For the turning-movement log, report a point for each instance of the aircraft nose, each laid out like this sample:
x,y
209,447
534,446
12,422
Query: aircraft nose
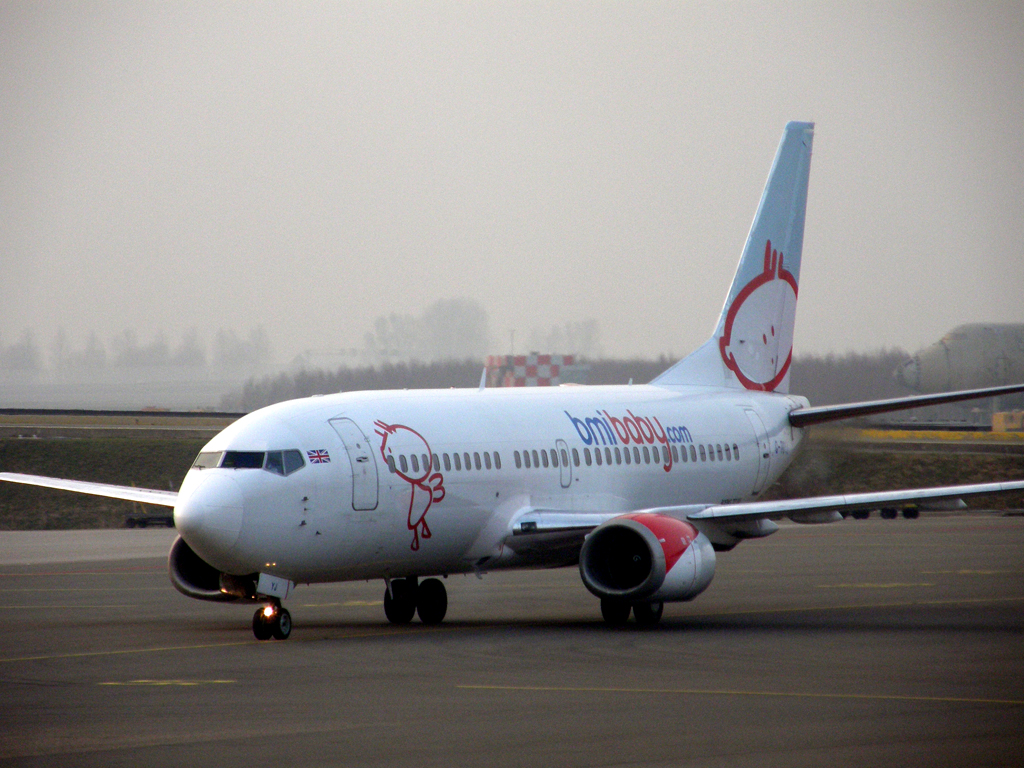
x,y
209,515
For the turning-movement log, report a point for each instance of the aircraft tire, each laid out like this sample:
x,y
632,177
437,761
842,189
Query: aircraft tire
x,y
431,601
400,602
261,628
648,614
615,612
281,626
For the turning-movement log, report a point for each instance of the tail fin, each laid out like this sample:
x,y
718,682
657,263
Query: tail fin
x,y
752,345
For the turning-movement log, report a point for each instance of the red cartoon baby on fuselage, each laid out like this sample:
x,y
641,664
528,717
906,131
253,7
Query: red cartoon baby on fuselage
x,y
757,342
425,485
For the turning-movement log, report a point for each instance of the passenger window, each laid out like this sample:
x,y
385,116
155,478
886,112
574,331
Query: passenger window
x,y
693,453
586,456
437,464
497,460
575,457
565,458
526,459
703,457
711,453
447,462
544,458
426,463
554,458
476,460
618,456
415,463
655,455
597,456
293,461
536,460
519,462
735,452
636,455
487,459
458,462
664,454
718,450
627,456
465,458
675,454
391,464
728,453
403,464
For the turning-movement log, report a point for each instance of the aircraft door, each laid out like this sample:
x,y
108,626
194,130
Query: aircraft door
x,y
564,467
364,464
763,451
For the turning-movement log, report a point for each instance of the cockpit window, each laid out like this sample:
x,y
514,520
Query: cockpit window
x,y
278,462
293,461
243,459
275,462
208,460
284,462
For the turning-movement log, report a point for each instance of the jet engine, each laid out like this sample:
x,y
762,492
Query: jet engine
x,y
646,558
194,577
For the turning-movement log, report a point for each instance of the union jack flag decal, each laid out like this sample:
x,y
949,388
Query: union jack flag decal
x,y
319,457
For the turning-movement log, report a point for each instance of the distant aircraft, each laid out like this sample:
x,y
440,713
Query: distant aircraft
x,y
969,356
639,486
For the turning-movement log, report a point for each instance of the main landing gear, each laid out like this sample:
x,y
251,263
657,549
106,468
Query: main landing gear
x,y
405,597
616,612
272,621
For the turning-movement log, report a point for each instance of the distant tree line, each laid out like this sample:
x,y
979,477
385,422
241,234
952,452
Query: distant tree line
x,y
823,379
228,350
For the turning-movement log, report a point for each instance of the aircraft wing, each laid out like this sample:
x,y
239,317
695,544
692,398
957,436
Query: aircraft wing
x,y
128,493
554,532
816,508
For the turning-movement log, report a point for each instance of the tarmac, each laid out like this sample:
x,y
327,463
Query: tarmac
x,y
859,643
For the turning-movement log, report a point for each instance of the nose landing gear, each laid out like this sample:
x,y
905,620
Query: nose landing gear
x,y
272,621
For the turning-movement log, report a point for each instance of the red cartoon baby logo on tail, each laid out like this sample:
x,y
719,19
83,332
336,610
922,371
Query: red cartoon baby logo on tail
x,y
414,467
757,343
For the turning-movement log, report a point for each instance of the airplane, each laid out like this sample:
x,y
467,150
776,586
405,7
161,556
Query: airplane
x,y
639,486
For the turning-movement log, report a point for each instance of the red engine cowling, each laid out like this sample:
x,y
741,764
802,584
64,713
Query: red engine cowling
x,y
647,557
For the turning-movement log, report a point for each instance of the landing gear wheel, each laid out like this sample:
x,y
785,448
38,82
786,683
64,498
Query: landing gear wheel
x,y
615,612
431,601
400,601
261,626
281,626
648,614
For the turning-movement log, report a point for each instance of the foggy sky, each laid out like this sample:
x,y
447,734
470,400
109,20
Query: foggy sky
x,y
309,168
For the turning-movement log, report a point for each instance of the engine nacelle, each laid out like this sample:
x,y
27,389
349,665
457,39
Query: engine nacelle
x,y
196,578
647,558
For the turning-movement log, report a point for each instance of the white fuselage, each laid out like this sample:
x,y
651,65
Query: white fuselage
x,y
346,515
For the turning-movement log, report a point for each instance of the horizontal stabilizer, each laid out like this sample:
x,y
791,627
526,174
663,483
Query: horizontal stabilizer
x,y
804,417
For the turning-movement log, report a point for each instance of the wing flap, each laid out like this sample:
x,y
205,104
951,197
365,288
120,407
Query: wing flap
x,y
128,493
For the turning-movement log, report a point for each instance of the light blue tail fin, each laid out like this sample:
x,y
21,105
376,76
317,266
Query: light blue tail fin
x,y
752,346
